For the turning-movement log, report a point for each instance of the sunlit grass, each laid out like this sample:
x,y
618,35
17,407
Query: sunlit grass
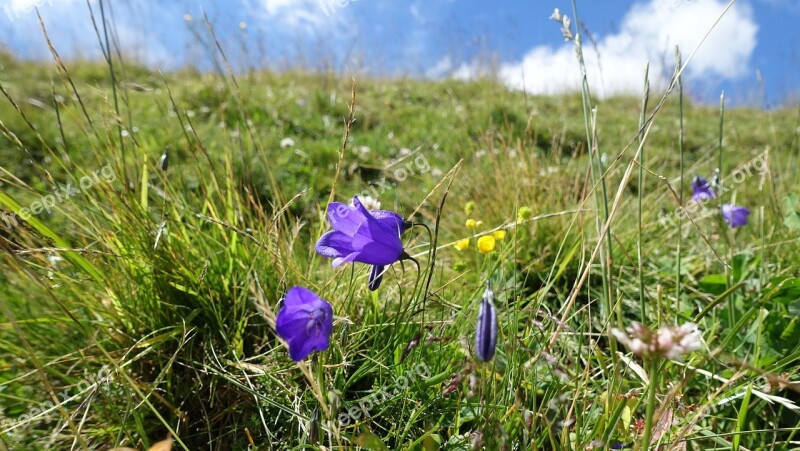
x,y
143,306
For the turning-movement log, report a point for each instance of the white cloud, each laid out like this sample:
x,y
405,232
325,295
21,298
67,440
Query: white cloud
x,y
442,67
464,71
15,9
304,14
68,25
648,32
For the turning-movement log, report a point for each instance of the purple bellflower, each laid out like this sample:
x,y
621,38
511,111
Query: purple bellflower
x,y
486,331
305,322
388,219
735,215
702,190
360,235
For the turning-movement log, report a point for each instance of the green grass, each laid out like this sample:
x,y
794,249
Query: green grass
x,y
157,319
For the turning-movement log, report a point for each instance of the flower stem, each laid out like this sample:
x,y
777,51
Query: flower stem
x,y
651,404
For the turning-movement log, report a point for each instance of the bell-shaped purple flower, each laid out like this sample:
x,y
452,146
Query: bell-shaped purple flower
x,y
702,189
735,215
389,219
305,322
360,235
486,331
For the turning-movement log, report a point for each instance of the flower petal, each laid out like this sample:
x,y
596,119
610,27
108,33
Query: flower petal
x,y
701,189
346,219
379,245
337,262
378,253
299,349
305,322
735,215
360,236
389,219
486,244
289,326
334,244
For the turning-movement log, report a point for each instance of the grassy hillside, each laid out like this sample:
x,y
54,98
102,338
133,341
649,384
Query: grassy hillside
x,y
139,303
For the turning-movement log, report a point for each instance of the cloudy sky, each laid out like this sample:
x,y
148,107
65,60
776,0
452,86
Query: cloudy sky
x,y
513,39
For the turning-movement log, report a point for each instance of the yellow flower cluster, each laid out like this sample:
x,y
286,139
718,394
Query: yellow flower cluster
x,y
486,243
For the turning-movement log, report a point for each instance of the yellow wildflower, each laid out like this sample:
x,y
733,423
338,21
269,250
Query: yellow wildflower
x,y
499,235
486,244
462,244
471,223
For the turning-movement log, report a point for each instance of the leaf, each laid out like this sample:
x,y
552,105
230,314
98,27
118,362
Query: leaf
x,y
714,283
742,417
741,267
790,329
369,440
791,218
145,184
73,257
627,417
432,442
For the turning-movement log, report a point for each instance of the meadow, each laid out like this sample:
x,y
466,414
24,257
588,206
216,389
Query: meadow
x,y
153,223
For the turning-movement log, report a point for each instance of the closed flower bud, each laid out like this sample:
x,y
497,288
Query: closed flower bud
x,y
375,277
524,214
486,331
469,207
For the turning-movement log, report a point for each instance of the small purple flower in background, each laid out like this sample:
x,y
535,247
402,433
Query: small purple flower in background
x,y
735,215
360,235
702,190
486,331
305,322
164,162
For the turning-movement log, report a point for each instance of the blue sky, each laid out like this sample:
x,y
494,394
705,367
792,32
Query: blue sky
x,y
513,40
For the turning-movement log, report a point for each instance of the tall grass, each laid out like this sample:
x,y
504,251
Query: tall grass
x,y
143,306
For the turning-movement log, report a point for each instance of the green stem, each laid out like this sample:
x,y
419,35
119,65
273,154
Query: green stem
x,y
726,231
651,404
640,189
110,61
680,194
